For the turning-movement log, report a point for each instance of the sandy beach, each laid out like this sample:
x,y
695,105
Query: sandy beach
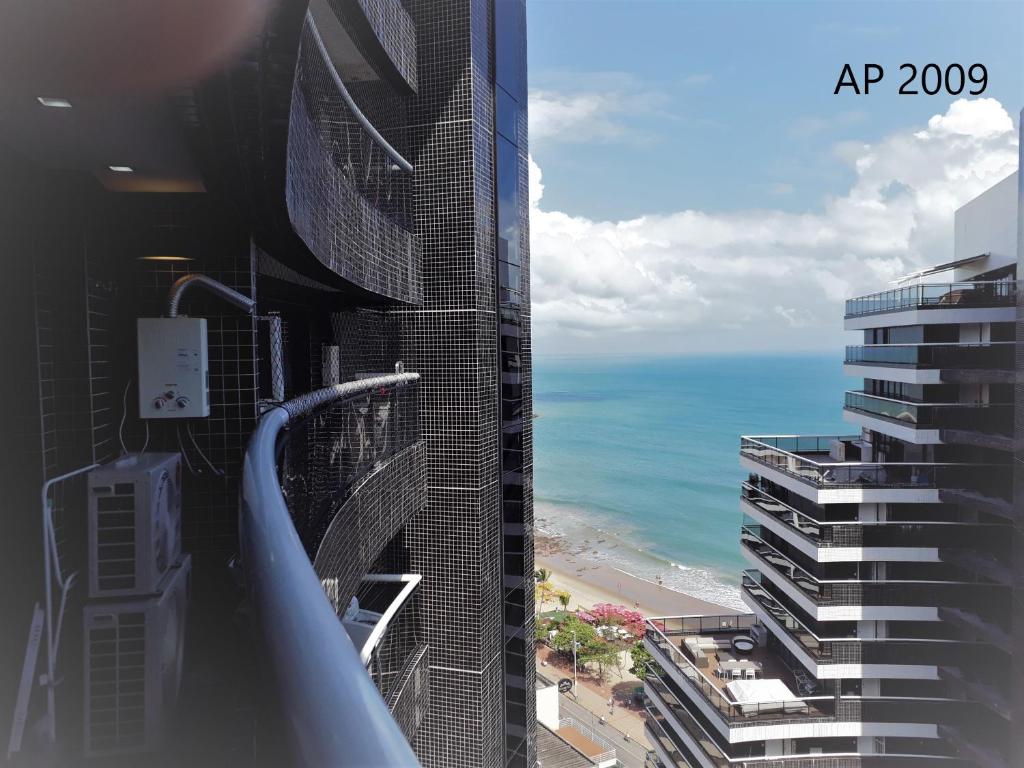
x,y
589,582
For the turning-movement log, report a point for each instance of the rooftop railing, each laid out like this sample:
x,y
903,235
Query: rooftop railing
x,y
334,712
736,713
995,355
787,454
999,293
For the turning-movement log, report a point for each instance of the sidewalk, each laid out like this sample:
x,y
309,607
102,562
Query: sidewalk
x,y
589,707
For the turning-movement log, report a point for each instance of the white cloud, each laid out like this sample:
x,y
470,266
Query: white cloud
x,y
599,107
750,279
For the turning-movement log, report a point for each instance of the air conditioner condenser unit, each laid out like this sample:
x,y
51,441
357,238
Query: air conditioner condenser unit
x,y
134,524
133,661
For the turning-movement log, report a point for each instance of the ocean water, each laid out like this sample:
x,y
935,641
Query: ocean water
x,y
636,461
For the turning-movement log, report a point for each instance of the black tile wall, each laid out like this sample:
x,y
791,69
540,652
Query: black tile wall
x,y
376,511
457,542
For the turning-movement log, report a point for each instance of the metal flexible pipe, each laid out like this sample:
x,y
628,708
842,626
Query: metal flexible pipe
x,y
215,287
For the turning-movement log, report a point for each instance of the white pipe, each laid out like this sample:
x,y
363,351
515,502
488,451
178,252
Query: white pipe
x,y
51,565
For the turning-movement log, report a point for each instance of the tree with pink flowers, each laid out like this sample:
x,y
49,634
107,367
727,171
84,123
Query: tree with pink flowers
x,y
615,615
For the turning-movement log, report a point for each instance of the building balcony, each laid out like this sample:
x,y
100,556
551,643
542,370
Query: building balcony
x,y
384,37
995,499
384,625
695,668
845,541
847,657
927,423
929,363
715,715
680,741
349,191
805,464
963,302
848,599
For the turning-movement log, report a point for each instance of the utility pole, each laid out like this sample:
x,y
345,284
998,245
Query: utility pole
x,y
575,645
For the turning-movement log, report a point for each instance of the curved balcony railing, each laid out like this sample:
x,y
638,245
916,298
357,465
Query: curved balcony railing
x,y
998,293
349,189
385,34
334,712
987,418
784,453
994,355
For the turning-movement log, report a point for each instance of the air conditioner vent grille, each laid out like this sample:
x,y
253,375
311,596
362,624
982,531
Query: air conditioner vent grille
x,y
117,681
115,538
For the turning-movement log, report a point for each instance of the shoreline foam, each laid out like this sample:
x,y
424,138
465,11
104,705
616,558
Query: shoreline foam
x,y
589,583
562,530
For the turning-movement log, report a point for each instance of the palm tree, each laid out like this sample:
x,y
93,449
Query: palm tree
x,y
541,574
544,591
563,598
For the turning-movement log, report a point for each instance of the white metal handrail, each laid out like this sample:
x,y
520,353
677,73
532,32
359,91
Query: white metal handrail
x,y
334,714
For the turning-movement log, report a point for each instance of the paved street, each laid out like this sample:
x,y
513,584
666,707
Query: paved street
x,y
588,710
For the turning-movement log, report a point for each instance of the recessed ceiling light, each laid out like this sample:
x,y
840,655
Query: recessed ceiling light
x,y
48,101
121,168
165,258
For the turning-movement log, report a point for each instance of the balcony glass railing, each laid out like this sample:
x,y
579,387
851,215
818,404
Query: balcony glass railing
x,y
847,592
665,731
853,650
808,528
996,355
751,541
875,534
1001,293
871,533
785,454
987,418
336,715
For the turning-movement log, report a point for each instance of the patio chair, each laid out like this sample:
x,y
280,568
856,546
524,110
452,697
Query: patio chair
x,y
751,673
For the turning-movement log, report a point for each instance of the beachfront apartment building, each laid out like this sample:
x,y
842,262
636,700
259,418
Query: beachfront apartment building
x,y
341,197
885,565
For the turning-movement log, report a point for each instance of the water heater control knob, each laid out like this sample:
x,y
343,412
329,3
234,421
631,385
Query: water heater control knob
x,y
158,404
182,402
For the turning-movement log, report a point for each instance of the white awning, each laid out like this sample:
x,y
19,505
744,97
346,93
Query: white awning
x,y
760,691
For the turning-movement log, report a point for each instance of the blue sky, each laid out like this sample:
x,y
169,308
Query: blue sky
x,y
696,185
730,104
